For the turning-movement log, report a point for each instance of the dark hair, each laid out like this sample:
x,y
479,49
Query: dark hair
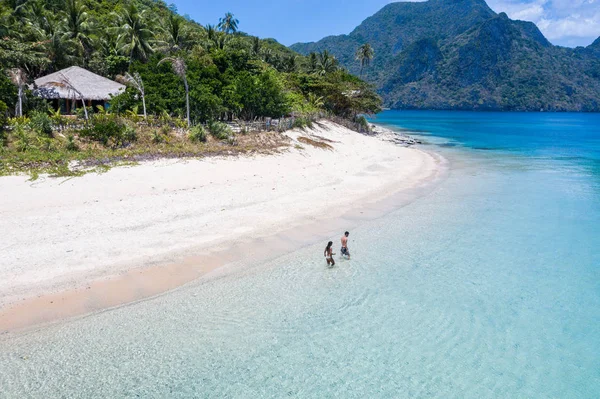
x,y
329,244
347,233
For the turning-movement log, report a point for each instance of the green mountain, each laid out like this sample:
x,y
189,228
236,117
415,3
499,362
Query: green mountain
x,y
459,54
595,47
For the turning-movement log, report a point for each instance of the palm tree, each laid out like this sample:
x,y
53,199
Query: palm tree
x,y
364,54
78,26
327,63
176,34
4,23
215,38
45,28
267,55
137,83
228,24
211,32
313,63
316,101
37,17
135,34
179,68
64,82
256,45
19,78
108,43
16,6
290,64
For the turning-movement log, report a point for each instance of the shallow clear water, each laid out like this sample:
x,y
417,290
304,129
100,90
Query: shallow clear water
x,y
489,286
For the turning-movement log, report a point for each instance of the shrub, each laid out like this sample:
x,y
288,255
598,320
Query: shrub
x,y
71,144
133,114
180,123
219,130
45,143
58,119
109,129
3,122
81,113
19,121
129,135
41,123
23,139
165,118
362,123
302,122
197,134
157,137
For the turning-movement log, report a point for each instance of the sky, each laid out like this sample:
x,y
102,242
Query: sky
x,y
564,22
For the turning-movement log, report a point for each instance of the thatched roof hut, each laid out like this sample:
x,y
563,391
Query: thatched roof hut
x,y
76,83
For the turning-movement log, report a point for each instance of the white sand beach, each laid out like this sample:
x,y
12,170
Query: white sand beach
x,y
61,234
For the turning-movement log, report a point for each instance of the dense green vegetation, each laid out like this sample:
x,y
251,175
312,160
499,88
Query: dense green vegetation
x,y
179,75
459,54
230,74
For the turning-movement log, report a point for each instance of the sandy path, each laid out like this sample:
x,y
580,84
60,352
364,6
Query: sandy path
x,y
61,233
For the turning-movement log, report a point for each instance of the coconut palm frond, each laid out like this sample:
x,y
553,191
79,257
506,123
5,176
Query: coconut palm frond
x,y
65,83
137,83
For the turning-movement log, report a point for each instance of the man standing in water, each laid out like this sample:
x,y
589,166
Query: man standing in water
x,y
345,251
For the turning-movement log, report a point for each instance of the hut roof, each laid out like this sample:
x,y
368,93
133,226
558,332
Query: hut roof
x,y
69,82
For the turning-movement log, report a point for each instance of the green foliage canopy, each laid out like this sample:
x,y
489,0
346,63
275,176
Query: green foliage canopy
x,y
229,73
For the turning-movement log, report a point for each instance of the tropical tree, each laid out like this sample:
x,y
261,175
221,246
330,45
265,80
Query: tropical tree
x,y
15,9
45,28
176,35
228,23
326,64
64,82
37,17
180,68
256,46
135,37
109,53
312,63
15,53
316,102
364,54
137,83
78,27
215,39
290,64
267,55
19,78
4,22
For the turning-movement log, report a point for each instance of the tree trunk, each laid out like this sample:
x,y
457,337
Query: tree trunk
x,y
144,104
187,100
131,53
20,101
84,108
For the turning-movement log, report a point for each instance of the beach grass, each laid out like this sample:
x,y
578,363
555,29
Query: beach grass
x,y
315,143
77,152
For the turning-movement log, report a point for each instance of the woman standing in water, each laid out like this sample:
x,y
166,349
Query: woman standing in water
x,y
329,254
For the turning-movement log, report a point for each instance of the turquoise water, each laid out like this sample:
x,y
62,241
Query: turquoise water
x,y
486,287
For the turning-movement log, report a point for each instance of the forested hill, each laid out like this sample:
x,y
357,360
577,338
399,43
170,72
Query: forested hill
x,y
459,54
229,73
595,47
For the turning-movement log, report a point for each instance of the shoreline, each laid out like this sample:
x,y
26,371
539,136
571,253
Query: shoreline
x,y
101,288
